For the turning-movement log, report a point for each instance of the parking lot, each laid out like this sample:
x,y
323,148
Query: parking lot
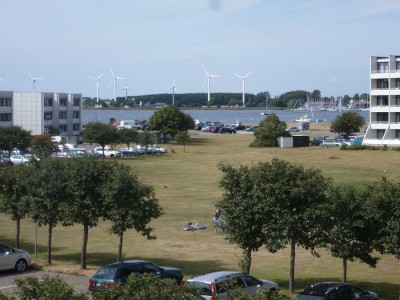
x,y
8,286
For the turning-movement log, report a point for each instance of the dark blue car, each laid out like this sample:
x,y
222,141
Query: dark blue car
x,y
111,274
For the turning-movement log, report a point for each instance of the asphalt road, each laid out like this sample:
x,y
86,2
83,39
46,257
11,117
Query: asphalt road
x,y
8,287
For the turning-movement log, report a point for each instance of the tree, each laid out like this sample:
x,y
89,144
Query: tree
x,y
130,204
102,134
348,123
14,137
315,95
50,197
244,211
171,120
128,136
383,200
356,97
42,145
346,100
85,179
352,233
268,131
16,185
147,138
183,137
274,204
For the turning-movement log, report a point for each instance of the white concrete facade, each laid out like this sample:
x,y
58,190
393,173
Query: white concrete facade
x,y
38,112
384,126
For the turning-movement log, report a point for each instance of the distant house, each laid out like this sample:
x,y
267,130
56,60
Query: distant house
x,y
160,105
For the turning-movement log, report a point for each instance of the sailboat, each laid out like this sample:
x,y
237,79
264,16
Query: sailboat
x,y
266,112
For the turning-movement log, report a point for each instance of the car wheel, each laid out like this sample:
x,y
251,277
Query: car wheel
x,y
21,265
326,146
112,155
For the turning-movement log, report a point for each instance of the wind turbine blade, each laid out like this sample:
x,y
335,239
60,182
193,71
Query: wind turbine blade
x,y
205,70
112,73
173,84
247,74
112,80
91,77
205,81
2,80
30,75
238,76
121,78
39,78
215,76
98,77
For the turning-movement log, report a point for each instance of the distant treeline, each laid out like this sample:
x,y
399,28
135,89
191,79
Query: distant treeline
x,y
290,99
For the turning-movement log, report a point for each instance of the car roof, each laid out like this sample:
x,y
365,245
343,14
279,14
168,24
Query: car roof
x,y
124,263
323,288
214,276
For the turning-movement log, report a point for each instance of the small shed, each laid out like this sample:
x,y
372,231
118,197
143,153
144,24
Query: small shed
x,y
285,141
294,141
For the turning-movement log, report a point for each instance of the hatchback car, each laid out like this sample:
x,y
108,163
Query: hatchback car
x,y
109,275
227,130
292,129
12,258
214,285
330,143
19,160
335,291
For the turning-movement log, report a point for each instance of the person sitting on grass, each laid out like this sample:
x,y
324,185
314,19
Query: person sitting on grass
x,y
190,225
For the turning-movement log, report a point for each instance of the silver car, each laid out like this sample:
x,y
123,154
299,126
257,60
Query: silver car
x,y
214,285
11,258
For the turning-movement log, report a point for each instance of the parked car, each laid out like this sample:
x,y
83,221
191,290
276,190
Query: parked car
x,y
19,159
127,151
214,285
330,143
343,142
109,275
239,126
292,129
108,152
335,291
317,141
227,130
12,258
252,128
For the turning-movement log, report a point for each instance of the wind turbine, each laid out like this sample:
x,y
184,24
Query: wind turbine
x,y
125,88
173,88
97,84
34,79
244,85
2,80
114,81
208,82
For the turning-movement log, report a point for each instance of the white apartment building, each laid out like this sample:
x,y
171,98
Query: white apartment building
x,y
38,112
384,126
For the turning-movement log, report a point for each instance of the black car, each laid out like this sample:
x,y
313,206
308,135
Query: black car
x,y
109,275
227,130
317,141
335,291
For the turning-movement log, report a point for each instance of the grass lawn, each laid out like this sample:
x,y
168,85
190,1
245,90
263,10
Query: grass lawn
x,y
187,187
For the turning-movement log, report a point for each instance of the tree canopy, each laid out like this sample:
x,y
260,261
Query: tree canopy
x,y
348,122
268,131
100,133
14,137
171,120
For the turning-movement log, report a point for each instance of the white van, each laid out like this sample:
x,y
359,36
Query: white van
x,y
129,124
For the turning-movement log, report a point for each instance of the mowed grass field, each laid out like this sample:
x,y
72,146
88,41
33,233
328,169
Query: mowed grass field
x,y
187,185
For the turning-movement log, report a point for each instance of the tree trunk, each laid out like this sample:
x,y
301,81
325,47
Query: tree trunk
x,y
344,276
248,260
18,232
49,236
121,240
184,147
292,262
84,246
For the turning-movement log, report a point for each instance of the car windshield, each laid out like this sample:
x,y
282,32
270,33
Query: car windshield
x,y
106,273
310,297
204,288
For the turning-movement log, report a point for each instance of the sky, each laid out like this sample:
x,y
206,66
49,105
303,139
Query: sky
x,y
286,44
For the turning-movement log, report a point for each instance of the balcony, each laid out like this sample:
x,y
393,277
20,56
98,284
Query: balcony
x,y
380,108
379,124
394,125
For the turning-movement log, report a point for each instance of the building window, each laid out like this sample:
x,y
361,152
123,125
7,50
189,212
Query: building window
x,y
383,67
397,134
380,133
76,114
397,83
382,84
77,102
48,116
398,66
382,117
382,100
47,129
48,101
398,117
63,102
5,101
62,115
6,117
398,100
63,128
76,127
